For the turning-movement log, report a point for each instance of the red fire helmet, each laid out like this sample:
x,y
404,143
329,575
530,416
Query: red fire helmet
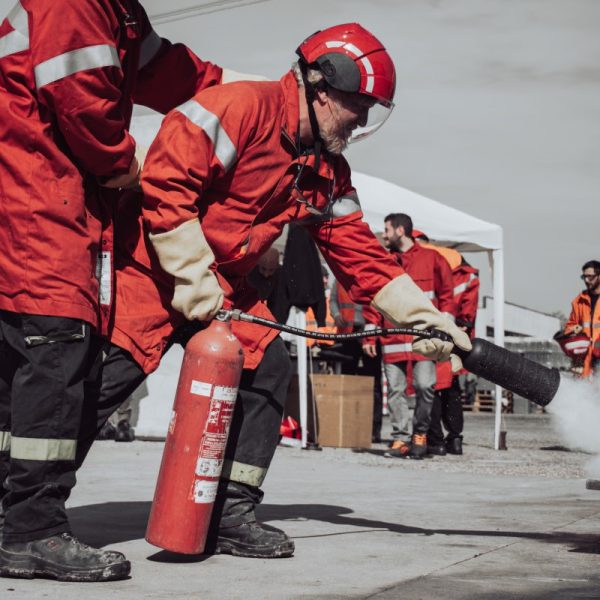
x,y
574,345
353,60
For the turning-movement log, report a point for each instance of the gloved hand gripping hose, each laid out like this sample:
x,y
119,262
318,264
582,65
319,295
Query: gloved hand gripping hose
x,y
498,365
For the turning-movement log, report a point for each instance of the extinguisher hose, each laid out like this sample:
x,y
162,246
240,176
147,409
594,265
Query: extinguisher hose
x,y
510,370
238,315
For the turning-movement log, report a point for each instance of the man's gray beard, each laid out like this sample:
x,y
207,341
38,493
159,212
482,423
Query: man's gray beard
x,y
334,143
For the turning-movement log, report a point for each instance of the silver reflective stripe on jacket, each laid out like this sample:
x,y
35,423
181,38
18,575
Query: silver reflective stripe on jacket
x,y
4,441
345,205
459,289
75,61
393,348
150,46
17,40
225,151
42,449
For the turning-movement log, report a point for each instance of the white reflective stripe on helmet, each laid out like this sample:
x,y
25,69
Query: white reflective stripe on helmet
x,y
42,449
225,151
75,61
394,348
4,441
17,40
345,205
150,47
578,346
243,473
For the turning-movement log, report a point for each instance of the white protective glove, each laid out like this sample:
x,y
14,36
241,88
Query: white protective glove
x,y
185,254
130,179
229,76
404,303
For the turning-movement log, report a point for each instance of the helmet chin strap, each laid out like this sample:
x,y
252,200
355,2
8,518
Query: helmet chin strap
x,y
309,91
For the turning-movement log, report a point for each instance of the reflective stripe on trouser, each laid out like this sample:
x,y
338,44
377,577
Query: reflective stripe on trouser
x,y
46,392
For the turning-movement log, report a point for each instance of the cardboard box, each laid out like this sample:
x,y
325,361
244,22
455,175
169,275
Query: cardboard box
x,y
344,410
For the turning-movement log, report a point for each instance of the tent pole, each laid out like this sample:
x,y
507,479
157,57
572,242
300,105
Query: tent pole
x,y
498,285
302,358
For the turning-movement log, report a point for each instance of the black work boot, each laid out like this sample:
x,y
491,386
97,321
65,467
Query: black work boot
x,y
108,432
125,432
235,530
61,557
418,446
454,445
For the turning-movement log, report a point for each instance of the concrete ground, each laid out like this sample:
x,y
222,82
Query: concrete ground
x,y
488,525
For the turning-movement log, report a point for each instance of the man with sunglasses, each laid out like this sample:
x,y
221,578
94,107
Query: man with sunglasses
x,y
585,318
228,170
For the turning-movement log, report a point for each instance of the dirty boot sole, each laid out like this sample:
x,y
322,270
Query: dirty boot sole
x,y
27,567
236,548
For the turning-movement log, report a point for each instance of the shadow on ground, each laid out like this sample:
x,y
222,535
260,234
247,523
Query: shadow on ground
x,y
116,522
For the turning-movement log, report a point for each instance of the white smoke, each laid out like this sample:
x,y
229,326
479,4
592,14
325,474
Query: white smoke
x,y
576,415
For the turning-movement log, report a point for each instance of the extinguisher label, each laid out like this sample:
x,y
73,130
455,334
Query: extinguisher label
x,y
205,492
201,388
212,446
222,392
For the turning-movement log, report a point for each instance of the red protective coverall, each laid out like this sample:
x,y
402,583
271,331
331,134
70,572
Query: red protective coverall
x,y
432,274
70,72
581,314
228,156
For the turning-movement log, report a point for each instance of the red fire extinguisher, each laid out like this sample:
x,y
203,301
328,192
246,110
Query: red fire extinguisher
x,y
196,439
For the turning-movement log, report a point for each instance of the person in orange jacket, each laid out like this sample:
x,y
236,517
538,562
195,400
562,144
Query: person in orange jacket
x,y
70,72
585,318
228,170
432,274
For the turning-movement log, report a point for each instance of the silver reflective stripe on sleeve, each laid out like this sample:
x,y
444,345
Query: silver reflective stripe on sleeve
x,y
75,61
42,449
345,205
225,151
242,473
4,441
150,46
370,327
17,40
585,324
393,348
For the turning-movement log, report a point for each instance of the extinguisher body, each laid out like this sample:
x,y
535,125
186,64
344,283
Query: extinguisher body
x,y
196,439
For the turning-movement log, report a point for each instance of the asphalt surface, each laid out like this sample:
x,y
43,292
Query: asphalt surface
x,y
486,525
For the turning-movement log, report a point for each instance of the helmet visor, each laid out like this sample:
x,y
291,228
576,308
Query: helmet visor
x,y
378,114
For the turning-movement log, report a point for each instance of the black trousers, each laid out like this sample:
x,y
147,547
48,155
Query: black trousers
x,y
447,409
45,366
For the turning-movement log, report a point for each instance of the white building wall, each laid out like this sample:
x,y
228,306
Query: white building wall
x,y
517,320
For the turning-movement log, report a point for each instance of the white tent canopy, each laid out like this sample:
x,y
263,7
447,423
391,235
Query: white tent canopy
x,y
442,223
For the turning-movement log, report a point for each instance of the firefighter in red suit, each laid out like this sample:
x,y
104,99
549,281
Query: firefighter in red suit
x,y
228,170
447,406
432,274
70,72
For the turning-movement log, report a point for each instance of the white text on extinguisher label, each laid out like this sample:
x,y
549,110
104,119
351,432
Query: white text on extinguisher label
x,y
214,440
205,491
201,388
